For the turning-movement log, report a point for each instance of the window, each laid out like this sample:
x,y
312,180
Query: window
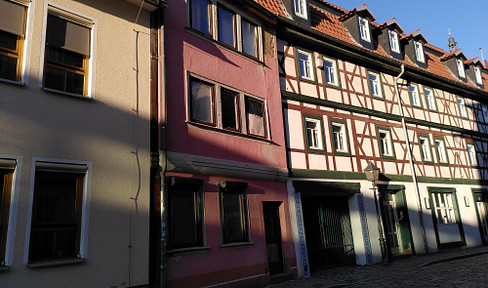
x,y
462,108
200,16
249,38
460,68
202,101
305,65
477,75
67,55
7,167
222,107
393,37
313,133
472,155
425,149
255,117
226,26
185,213
330,72
484,110
429,99
234,212
386,143
12,35
375,84
444,208
364,29
339,137
441,151
414,95
57,212
230,109
419,52
300,7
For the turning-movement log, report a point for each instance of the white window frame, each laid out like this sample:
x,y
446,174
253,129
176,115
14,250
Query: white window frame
x,y
393,37
462,107
444,207
339,137
307,65
364,29
413,90
419,51
460,68
477,75
472,154
424,144
386,142
80,19
375,84
441,151
300,8
85,203
317,135
331,71
430,99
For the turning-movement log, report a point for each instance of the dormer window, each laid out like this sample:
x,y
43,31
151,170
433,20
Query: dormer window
x,y
364,29
300,7
477,75
393,36
460,67
419,52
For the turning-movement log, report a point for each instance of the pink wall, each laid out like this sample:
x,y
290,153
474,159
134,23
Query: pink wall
x,y
188,52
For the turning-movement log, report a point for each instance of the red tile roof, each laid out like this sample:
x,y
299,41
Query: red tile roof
x,y
274,6
450,54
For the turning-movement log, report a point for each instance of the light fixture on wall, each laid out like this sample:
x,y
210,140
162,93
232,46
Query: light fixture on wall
x,y
466,201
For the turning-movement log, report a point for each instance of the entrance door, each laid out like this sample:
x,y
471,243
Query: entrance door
x,y
482,212
272,229
395,221
328,231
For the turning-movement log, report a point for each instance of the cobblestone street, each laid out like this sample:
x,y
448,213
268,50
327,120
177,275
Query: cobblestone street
x,y
453,268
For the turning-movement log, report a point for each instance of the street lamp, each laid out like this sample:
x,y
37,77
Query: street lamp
x,y
373,174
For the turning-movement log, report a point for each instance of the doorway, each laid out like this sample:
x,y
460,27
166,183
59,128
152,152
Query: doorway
x,y
481,202
272,228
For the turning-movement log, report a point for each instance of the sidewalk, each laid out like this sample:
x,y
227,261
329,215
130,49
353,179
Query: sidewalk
x,y
356,275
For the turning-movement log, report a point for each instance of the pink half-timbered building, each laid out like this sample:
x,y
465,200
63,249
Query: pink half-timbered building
x,y
226,211
357,92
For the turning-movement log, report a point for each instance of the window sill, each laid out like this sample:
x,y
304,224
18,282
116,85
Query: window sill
x,y
18,83
223,45
187,251
67,94
236,245
55,263
228,131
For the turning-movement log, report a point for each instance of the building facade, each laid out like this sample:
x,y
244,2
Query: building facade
x,y
74,144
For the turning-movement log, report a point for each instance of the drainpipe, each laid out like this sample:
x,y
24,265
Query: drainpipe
x,y
410,159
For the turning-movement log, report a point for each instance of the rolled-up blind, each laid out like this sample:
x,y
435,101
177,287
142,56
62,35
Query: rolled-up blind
x,y
12,17
68,35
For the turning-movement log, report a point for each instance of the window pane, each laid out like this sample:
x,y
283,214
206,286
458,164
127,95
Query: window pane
x,y
54,78
65,57
8,40
183,219
226,26
304,64
233,215
329,70
255,119
75,83
229,109
200,16
8,68
201,101
249,38
313,134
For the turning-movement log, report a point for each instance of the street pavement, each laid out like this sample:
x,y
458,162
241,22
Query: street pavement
x,y
465,267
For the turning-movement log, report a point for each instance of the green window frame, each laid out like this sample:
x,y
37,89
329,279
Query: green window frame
x,y
430,101
371,82
386,143
425,149
442,146
413,91
339,138
331,70
309,134
308,64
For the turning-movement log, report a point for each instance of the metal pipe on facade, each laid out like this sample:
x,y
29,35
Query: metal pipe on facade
x,y
410,158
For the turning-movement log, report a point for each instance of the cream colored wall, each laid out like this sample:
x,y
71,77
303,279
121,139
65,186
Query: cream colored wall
x,y
110,131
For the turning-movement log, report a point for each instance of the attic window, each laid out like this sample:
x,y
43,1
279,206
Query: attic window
x,y
393,36
419,52
460,67
477,75
300,8
364,29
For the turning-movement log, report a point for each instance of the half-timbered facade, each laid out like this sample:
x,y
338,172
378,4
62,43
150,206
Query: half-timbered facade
x,y
354,92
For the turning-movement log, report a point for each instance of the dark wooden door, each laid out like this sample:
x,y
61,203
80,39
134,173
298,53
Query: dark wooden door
x,y
272,229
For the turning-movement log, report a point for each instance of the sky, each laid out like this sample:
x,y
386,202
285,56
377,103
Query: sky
x,y
467,19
